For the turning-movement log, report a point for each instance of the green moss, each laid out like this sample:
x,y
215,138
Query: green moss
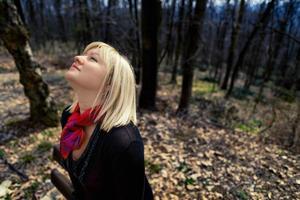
x,y
47,133
153,168
183,167
253,126
2,153
44,146
242,195
201,88
27,158
189,181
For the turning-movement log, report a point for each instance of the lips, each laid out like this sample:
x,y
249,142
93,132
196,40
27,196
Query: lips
x,y
73,65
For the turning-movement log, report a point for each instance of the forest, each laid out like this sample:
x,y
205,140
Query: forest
x,y
217,83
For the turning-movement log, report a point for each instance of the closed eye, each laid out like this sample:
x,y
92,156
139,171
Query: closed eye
x,y
94,59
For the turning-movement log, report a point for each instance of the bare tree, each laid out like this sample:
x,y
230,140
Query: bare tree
x,y
233,45
62,31
179,41
189,58
83,24
262,21
221,36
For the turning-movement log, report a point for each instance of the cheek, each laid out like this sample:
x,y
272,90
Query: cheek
x,y
93,79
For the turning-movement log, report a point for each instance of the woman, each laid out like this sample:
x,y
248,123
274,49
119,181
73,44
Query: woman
x,y
101,145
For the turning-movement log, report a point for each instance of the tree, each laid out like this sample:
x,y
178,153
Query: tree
x,y
221,36
15,39
136,56
178,42
83,24
262,21
151,16
189,58
170,20
256,52
112,4
62,30
233,45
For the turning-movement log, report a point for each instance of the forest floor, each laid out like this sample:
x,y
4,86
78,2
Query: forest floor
x,y
186,157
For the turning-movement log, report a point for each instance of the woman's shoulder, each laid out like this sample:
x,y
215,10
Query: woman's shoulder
x,y
121,137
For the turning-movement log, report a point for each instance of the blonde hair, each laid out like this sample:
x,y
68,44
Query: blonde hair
x,y
118,91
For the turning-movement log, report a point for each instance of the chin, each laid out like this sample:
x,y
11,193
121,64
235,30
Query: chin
x,y
69,76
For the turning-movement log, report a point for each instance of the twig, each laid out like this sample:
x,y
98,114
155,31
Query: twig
x,y
23,176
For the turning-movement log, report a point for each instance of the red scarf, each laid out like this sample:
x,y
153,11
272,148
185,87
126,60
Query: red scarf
x,y
72,135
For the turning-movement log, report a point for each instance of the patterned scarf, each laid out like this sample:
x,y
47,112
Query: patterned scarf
x,y
72,135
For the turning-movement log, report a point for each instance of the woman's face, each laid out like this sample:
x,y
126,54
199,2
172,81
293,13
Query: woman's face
x,y
87,71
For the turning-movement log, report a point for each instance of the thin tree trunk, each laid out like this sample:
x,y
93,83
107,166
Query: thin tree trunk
x,y
233,46
169,35
189,58
179,41
261,23
83,26
252,68
109,19
15,39
138,42
221,35
61,24
136,55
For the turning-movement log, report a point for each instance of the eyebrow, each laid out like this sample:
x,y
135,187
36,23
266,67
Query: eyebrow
x,y
93,54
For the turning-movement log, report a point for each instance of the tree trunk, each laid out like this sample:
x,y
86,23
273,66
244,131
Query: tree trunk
x,y
109,19
179,41
83,25
151,17
221,36
135,42
233,46
20,11
169,35
283,78
273,54
262,21
15,39
61,24
254,63
189,58
138,43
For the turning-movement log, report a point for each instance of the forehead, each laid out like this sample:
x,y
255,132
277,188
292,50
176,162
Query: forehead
x,y
93,51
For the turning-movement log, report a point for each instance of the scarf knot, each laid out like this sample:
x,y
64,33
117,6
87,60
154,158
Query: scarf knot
x,y
73,134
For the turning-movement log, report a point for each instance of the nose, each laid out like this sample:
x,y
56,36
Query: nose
x,y
78,59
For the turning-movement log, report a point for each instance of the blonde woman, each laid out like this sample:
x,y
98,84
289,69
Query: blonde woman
x,y
101,146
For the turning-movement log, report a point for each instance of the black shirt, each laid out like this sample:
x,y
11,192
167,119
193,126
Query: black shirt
x,y
111,166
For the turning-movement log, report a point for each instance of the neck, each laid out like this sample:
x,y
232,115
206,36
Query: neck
x,y
86,99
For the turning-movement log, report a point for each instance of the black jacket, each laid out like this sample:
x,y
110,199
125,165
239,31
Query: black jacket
x,y
111,167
